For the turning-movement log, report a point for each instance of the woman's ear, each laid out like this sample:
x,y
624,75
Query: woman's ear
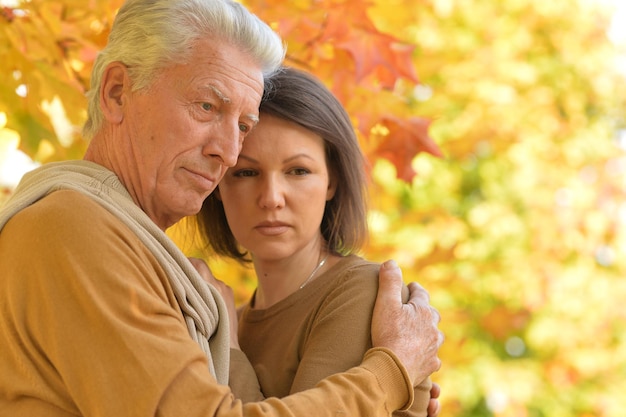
x,y
332,186
115,84
217,194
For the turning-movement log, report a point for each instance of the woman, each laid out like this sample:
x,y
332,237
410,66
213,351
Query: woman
x,y
294,205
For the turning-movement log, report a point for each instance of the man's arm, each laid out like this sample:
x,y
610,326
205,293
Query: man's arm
x,y
408,330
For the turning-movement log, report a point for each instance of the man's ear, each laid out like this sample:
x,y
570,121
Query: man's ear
x,y
115,85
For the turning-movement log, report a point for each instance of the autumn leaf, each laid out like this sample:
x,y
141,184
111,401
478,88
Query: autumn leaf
x,y
373,52
7,13
502,322
380,55
401,140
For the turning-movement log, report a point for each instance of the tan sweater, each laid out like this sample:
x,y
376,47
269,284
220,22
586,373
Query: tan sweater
x,y
200,304
322,329
89,326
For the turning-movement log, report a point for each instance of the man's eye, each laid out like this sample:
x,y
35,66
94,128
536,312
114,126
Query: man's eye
x,y
206,106
244,128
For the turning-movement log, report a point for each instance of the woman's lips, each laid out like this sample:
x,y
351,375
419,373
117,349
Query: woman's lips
x,y
272,228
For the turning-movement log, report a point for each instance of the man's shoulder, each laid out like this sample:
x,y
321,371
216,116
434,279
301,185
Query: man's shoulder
x,y
70,225
65,215
66,206
65,200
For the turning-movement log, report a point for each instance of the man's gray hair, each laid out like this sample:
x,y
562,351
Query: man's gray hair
x,y
149,35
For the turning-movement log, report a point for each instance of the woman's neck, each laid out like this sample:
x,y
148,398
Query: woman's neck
x,y
277,279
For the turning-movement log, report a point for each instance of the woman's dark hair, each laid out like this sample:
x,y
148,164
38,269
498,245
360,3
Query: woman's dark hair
x,y
298,97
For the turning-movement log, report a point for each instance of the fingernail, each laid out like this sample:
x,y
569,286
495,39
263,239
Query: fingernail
x,y
390,264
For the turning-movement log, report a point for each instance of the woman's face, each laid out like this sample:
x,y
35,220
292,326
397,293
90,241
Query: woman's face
x,y
274,197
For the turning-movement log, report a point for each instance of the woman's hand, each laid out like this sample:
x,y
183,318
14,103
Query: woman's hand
x,y
227,294
433,406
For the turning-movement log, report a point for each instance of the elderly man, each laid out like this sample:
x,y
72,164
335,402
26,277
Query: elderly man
x,y
100,313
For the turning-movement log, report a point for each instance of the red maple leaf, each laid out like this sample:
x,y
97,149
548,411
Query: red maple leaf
x,y
374,53
405,140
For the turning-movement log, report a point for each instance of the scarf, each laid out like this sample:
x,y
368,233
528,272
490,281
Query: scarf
x,y
201,304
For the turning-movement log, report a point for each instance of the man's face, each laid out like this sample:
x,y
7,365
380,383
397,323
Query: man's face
x,y
183,132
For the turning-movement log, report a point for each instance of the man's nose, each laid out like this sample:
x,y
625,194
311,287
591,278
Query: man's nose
x,y
225,144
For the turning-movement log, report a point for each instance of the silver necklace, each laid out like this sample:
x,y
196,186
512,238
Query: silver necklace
x,y
317,268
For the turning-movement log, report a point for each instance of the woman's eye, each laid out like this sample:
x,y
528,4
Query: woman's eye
x,y
244,173
300,171
206,106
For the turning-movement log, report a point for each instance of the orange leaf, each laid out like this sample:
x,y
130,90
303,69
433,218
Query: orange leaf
x,y
502,321
406,139
378,54
373,52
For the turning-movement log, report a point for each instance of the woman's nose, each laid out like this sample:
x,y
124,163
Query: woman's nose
x,y
271,193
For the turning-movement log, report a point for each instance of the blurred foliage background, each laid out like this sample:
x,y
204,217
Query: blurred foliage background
x,y
495,133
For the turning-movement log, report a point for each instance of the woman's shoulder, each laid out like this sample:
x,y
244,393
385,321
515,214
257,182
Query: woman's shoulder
x,y
353,269
357,264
